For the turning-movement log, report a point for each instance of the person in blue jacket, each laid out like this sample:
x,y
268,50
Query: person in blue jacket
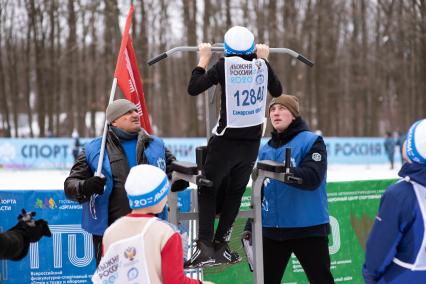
x,y
389,145
396,246
295,216
127,145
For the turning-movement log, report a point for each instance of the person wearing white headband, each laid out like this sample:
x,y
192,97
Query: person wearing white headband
x,y
245,77
140,248
396,246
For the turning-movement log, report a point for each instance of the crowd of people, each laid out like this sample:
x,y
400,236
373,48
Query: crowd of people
x,y
125,207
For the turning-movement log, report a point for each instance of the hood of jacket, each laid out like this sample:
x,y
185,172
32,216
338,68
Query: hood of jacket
x,y
416,172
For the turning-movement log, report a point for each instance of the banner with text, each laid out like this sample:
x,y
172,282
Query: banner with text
x,y
56,153
66,257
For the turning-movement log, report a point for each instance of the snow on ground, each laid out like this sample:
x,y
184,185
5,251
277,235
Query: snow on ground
x,y
32,179
361,172
54,179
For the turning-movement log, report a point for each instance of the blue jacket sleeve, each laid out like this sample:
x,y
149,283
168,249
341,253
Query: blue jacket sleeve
x,y
384,236
312,171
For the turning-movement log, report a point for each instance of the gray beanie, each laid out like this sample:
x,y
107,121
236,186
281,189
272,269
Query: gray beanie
x,y
118,108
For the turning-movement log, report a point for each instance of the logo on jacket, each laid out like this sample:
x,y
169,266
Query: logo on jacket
x,y
130,253
316,157
161,163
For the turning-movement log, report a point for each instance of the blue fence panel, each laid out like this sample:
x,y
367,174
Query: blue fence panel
x,y
66,257
368,150
56,153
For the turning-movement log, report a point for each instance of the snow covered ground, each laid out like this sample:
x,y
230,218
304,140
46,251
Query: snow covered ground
x,y
32,179
54,179
361,172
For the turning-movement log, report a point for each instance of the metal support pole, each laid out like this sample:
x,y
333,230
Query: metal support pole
x,y
257,230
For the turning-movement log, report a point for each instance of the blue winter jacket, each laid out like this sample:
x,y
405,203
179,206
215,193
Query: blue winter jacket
x,y
397,232
285,206
155,154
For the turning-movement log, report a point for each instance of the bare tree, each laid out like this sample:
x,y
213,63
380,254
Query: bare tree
x,y
3,91
57,63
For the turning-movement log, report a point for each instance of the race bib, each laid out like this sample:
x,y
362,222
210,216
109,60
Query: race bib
x,y
124,262
246,86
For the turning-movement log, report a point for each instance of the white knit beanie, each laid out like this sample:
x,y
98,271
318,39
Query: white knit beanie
x,y
416,142
146,186
239,41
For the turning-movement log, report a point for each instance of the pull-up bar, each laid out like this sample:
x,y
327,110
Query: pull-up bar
x,y
220,49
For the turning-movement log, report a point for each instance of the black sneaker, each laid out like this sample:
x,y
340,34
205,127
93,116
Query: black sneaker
x,y
224,255
202,256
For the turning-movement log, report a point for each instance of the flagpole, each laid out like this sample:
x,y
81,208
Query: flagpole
x,y
113,87
102,152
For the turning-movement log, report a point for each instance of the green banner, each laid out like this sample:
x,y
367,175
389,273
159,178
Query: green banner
x,y
352,208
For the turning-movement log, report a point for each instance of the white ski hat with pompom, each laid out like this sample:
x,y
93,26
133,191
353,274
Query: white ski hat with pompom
x,y
146,186
239,41
416,142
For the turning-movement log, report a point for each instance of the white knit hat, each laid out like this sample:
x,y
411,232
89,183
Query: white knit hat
x,y
146,186
239,41
416,142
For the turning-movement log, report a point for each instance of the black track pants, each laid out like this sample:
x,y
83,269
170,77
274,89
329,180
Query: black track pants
x,y
312,253
228,165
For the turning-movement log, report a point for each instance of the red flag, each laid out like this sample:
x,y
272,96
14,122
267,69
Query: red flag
x,y
128,76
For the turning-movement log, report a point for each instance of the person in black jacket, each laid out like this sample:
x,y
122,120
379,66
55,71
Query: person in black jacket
x,y
295,216
245,77
103,198
15,242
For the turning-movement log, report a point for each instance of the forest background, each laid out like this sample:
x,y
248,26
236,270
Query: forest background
x,y
57,59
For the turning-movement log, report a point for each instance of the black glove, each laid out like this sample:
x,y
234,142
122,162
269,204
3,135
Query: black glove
x,y
93,185
179,185
31,230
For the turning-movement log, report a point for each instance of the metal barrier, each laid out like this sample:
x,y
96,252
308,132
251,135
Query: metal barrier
x,y
265,169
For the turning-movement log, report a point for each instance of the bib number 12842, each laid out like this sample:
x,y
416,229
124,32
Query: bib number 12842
x,y
249,97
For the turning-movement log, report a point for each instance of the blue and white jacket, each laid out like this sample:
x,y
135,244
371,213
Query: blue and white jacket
x,y
397,232
296,211
154,152
149,150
